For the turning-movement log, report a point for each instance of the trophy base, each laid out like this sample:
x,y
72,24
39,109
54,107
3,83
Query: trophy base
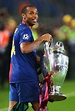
x,y
57,97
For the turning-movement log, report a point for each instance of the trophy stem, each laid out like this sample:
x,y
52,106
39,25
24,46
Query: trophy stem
x,y
57,89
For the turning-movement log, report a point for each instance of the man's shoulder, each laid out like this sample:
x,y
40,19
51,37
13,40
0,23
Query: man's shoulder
x,y
23,26
22,29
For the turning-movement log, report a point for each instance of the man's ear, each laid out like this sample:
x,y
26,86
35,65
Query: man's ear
x,y
23,16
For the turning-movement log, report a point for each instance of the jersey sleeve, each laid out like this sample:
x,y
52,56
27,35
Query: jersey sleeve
x,y
25,35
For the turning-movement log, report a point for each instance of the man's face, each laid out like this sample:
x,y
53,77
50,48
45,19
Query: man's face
x,y
31,16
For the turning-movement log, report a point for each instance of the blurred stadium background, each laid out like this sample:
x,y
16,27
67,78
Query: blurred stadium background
x,y
56,17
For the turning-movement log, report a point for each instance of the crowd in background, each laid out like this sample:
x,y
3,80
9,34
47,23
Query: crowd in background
x,y
7,27
62,29
66,34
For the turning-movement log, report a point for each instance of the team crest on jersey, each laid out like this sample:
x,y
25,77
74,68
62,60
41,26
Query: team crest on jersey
x,y
25,36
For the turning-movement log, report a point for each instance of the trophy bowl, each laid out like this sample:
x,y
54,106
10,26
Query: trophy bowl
x,y
56,61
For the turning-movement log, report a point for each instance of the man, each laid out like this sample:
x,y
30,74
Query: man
x,y
24,83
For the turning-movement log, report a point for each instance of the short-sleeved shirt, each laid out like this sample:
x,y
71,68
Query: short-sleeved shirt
x,y
23,66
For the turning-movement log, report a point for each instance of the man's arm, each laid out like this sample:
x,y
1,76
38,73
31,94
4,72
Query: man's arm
x,y
27,47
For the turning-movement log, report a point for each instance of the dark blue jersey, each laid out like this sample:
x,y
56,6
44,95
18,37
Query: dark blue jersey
x,y
23,66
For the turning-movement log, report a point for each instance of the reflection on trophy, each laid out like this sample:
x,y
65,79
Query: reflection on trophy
x,y
56,62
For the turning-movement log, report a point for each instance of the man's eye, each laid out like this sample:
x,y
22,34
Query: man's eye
x,y
31,13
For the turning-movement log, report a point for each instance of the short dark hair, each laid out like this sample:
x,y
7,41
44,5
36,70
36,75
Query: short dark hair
x,y
25,7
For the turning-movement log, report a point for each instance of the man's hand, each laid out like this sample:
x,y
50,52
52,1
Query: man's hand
x,y
46,37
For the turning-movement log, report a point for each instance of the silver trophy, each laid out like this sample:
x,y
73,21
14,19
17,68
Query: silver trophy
x,y
56,61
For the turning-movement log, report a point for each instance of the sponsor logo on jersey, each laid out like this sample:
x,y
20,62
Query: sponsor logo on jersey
x,y
25,36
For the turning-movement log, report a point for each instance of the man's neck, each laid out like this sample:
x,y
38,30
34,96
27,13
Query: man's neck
x,y
23,22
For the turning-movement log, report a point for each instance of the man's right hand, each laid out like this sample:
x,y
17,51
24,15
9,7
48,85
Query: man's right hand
x,y
46,37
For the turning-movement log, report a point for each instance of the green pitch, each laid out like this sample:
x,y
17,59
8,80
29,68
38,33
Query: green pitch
x,y
68,89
